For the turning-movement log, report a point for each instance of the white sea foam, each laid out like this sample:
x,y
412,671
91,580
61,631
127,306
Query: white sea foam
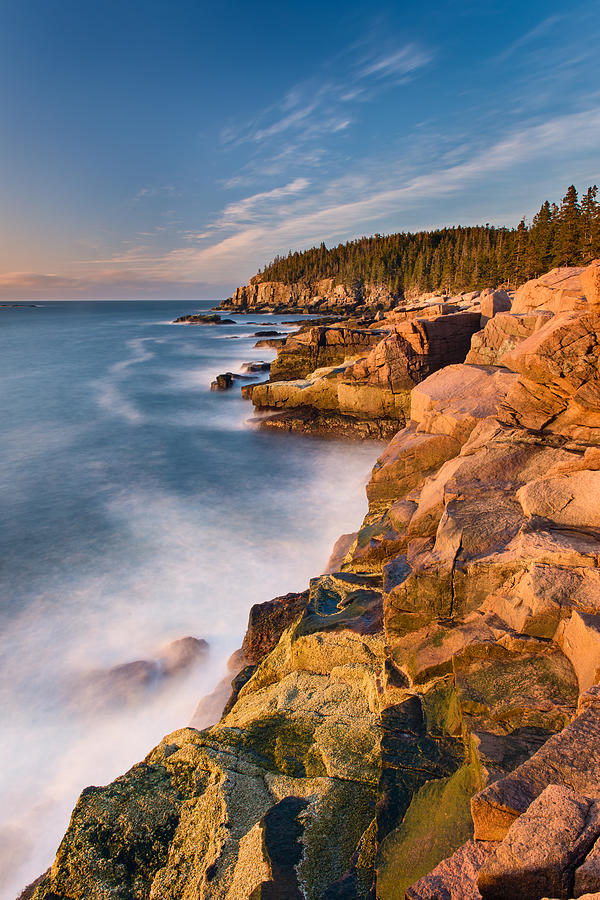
x,y
169,561
173,576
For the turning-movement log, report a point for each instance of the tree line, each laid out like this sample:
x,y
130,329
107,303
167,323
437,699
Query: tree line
x,y
459,258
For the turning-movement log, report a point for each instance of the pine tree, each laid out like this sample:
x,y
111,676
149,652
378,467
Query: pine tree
x,y
590,224
542,239
455,259
569,226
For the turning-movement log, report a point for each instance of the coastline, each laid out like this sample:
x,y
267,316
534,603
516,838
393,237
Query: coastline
x,y
156,551
435,691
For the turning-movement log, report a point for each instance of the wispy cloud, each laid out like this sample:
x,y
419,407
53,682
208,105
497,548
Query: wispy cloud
x,y
402,62
350,204
534,34
299,214
95,283
313,107
251,208
301,170
147,193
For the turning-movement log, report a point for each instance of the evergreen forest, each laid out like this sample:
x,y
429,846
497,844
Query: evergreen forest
x,y
456,259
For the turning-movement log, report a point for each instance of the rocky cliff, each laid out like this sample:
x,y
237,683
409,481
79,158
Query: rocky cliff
x,y
356,379
424,721
323,295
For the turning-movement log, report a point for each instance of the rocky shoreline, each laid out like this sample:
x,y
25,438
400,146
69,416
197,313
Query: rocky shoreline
x,y
318,296
423,720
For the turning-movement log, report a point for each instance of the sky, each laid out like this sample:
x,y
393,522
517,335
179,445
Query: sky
x,y
170,149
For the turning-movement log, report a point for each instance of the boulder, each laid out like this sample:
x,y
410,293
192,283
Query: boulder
x,y
579,639
223,382
542,848
270,343
472,552
571,757
540,597
558,389
587,875
256,366
569,499
318,390
267,622
557,291
491,303
453,400
502,334
131,682
375,543
315,347
454,878
590,282
182,654
405,463
340,549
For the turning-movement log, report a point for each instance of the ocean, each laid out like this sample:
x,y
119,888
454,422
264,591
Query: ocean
x,y
136,507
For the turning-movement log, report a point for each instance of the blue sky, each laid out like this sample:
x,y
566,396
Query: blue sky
x,y
169,149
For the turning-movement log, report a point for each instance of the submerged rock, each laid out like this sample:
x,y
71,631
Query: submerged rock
x,y
256,366
201,319
226,381
131,682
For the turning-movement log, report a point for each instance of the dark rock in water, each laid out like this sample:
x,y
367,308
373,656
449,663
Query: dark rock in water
x,y
311,421
198,319
182,654
20,306
256,366
129,682
222,382
226,380
268,333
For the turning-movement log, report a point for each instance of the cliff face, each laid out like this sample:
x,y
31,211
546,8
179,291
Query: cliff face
x,y
318,296
425,720
358,380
